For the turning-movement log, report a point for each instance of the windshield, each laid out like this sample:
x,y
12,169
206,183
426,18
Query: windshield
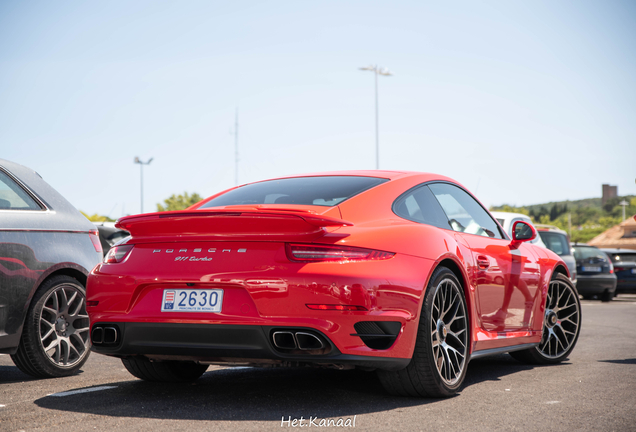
x,y
325,191
583,252
556,242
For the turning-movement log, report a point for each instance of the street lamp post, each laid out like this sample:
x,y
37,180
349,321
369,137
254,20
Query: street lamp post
x,y
377,71
141,175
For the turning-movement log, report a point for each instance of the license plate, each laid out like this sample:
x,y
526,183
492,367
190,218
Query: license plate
x,y
592,269
634,271
192,300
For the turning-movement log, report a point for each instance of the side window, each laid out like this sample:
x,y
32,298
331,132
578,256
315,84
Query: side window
x,y
419,205
13,197
463,212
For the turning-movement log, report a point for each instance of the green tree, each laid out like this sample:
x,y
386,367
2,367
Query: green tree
x,y
179,202
97,218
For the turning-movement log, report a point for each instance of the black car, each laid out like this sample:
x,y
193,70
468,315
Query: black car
x,y
109,235
47,249
595,272
624,261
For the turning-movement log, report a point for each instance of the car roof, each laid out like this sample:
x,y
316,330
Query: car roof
x,y
549,228
68,217
509,214
386,174
618,250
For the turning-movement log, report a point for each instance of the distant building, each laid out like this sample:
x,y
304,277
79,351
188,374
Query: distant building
x,y
609,192
622,235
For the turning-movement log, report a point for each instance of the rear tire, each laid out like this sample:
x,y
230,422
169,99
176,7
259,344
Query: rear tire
x,y
561,325
440,358
54,341
164,371
607,296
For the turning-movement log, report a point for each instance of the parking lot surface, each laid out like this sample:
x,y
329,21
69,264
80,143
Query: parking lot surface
x,y
595,390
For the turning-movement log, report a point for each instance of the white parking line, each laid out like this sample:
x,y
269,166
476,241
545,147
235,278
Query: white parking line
x,y
86,390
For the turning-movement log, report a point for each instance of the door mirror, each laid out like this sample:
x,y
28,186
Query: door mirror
x,y
523,231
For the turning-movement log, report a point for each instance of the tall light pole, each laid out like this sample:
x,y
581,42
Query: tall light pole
x,y
624,204
377,71
236,150
141,175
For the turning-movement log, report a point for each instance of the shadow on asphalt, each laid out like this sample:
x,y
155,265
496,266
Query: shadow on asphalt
x,y
11,374
260,394
623,361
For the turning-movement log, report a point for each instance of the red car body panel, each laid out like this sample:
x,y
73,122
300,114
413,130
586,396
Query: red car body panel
x,y
242,250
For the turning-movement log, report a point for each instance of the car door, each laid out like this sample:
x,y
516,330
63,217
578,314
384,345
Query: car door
x,y
506,274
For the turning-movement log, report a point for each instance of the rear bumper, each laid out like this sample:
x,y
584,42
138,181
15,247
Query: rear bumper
x,y
626,285
589,285
218,343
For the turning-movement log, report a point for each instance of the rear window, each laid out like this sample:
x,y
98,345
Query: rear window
x,y
325,191
622,257
557,243
581,252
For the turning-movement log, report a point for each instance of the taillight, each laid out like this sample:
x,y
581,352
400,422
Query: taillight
x,y
611,266
94,236
619,269
117,254
308,253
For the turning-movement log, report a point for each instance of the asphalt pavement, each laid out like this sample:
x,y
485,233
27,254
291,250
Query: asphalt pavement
x,y
594,390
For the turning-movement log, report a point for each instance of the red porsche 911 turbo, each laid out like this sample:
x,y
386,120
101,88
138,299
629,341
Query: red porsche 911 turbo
x,y
402,272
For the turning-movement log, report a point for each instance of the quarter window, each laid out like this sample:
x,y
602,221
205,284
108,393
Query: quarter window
x,y
13,197
419,205
463,212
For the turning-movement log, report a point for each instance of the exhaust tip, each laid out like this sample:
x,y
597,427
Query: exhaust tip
x,y
284,340
105,335
110,335
308,341
97,336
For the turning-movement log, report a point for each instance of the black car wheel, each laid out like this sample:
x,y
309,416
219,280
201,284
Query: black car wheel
x,y
55,340
561,325
439,362
164,371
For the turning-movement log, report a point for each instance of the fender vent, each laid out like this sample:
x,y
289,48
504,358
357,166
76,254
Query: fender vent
x,y
378,335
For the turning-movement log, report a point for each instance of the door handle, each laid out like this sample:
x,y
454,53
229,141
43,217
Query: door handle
x,y
483,262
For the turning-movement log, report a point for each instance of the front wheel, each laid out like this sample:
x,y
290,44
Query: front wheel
x,y
561,325
440,358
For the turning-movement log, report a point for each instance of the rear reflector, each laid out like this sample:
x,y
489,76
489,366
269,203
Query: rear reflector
x,y
336,307
94,235
309,253
117,254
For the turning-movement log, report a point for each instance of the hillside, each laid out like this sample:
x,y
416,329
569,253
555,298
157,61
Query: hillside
x,y
583,219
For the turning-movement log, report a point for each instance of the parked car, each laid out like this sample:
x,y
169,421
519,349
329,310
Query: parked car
x,y
109,234
508,219
406,273
558,242
595,272
47,249
624,261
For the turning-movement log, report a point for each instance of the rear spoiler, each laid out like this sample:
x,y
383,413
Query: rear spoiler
x,y
237,222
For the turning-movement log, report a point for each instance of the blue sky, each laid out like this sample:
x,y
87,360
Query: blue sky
x,y
522,102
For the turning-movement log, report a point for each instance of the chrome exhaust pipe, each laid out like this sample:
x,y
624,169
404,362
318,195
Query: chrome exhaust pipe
x,y
97,336
308,341
284,340
110,335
